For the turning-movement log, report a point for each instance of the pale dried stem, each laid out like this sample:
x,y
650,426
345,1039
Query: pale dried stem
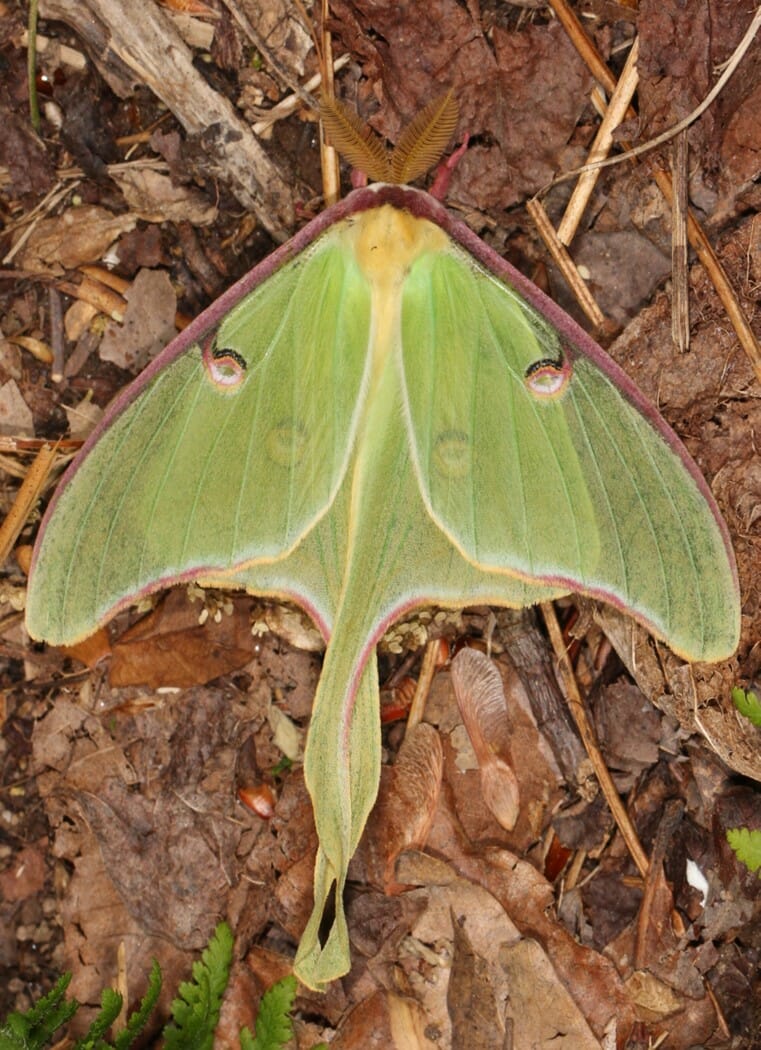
x,y
589,739
330,164
614,115
287,106
680,295
26,497
427,671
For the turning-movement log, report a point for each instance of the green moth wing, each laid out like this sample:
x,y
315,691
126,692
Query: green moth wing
x,y
224,422
383,415
516,430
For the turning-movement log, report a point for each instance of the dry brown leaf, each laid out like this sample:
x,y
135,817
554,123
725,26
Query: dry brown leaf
x,y
542,1012
15,415
81,235
170,648
153,197
384,1021
405,807
148,322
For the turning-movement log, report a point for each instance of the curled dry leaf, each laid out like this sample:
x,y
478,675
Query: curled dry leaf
x,y
35,347
293,626
78,319
481,699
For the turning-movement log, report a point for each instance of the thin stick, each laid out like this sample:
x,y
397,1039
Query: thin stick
x,y
699,110
567,266
31,66
56,333
288,105
26,497
708,257
589,739
614,115
330,164
680,296
427,671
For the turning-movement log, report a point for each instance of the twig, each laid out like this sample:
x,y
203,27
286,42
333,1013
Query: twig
x,y
49,201
427,671
708,257
680,297
26,497
670,133
56,333
614,115
31,66
329,162
567,266
588,736
58,54
288,105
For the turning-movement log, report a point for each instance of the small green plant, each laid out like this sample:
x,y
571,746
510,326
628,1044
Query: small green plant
x,y
274,1026
34,1029
747,846
195,1010
746,843
196,1007
748,705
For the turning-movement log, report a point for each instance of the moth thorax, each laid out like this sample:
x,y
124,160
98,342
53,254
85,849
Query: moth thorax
x,y
388,241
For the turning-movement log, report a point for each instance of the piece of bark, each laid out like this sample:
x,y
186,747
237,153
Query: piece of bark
x,y
132,42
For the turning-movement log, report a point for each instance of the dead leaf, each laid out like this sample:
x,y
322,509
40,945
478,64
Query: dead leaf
x,y
83,417
148,322
384,1021
15,415
91,650
405,807
169,648
80,235
542,1012
153,197
476,1018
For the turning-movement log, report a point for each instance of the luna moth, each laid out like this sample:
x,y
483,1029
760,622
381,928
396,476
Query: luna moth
x,y
381,415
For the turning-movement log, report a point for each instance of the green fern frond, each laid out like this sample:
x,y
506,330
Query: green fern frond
x,y
139,1018
110,1005
33,1029
274,1026
196,1008
747,846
